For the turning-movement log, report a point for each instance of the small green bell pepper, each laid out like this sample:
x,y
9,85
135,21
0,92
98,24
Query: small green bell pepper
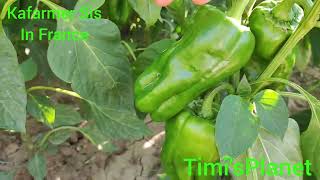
x,y
272,22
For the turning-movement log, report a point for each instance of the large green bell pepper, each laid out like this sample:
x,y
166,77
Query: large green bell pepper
x,y
213,48
188,136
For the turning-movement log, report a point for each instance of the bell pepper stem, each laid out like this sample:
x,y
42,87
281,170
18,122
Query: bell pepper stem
x,y
206,110
237,9
283,10
250,7
307,24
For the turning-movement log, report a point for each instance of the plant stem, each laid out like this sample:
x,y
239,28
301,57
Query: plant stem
x,y
293,95
58,90
5,8
237,9
308,23
206,110
130,50
46,137
250,7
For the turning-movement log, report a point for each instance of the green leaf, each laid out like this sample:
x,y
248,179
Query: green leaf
x,y
95,136
118,123
99,71
29,69
147,9
37,167
272,111
310,139
7,175
41,108
66,115
13,98
236,126
272,149
97,68
150,54
244,88
89,5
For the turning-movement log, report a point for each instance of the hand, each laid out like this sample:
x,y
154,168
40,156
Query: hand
x,y
164,3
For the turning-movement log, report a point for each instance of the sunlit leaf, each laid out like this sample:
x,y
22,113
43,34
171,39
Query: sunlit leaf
x,y
272,111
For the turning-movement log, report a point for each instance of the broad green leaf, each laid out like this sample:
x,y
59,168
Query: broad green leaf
x,y
272,149
95,136
236,126
6,175
41,108
29,69
150,54
66,115
37,167
89,5
244,87
147,9
97,68
310,139
272,112
13,98
99,71
118,123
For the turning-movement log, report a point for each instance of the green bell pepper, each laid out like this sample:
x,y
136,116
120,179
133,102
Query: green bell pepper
x,y
272,22
188,136
213,48
256,66
119,11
